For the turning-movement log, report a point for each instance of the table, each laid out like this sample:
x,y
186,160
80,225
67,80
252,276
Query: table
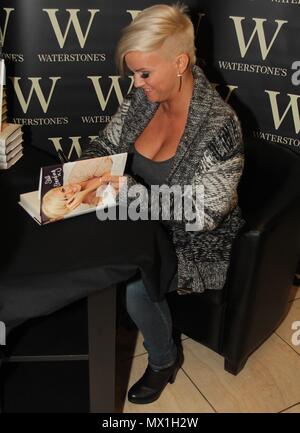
x,y
45,268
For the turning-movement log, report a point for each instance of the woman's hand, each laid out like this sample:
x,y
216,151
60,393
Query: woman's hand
x,y
115,181
76,200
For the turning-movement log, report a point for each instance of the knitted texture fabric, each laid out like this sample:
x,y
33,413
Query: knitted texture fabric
x,y
210,154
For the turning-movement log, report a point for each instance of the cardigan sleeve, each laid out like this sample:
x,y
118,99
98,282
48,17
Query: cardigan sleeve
x,y
220,172
220,190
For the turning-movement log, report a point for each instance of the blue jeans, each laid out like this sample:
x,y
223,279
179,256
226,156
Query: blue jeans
x,y
155,323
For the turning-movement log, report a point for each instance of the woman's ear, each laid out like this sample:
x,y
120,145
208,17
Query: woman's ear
x,y
182,62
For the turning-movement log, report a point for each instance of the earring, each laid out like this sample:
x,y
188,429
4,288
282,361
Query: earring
x,y
180,80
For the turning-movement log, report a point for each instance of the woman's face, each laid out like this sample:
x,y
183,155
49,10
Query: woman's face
x,y
67,191
154,73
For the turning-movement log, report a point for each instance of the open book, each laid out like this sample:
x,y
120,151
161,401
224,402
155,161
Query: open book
x,y
74,188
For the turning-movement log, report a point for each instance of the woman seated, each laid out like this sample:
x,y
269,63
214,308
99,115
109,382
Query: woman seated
x,y
180,132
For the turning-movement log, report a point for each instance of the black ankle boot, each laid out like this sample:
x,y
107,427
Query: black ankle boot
x,y
152,383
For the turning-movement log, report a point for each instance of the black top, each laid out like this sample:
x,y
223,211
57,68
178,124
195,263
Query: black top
x,y
152,172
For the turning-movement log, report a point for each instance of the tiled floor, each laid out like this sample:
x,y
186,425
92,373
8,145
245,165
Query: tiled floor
x,y
270,381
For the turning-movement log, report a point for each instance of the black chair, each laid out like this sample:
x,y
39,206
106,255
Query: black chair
x,y
236,320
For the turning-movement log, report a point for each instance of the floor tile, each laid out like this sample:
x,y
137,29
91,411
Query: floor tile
x,y
179,397
270,381
285,331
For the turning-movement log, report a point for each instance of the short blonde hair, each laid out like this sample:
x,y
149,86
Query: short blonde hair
x,y
54,207
152,28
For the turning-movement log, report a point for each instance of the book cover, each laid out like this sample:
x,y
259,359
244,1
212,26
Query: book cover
x,y
74,188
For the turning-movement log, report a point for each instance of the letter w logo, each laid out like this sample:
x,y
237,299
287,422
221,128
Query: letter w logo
x,y
73,19
259,29
75,146
3,31
35,86
115,85
293,104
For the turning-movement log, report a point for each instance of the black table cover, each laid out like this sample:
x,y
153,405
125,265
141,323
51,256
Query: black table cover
x,y
44,268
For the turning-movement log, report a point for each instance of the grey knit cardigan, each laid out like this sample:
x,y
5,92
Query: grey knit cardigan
x,y
210,153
